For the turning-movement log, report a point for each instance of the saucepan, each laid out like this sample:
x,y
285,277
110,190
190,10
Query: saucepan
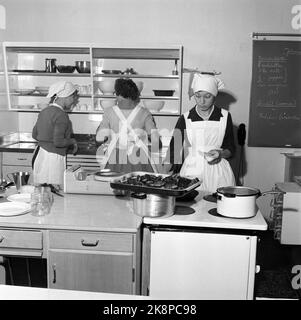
x,y
239,202
153,205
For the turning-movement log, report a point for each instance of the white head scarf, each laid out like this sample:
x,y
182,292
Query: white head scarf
x,y
204,82
61,89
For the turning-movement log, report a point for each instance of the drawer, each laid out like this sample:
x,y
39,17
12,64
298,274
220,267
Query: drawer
x,y
17,158
21,239
99,241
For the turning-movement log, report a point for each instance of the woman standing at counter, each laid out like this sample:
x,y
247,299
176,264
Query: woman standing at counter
x,y
203,138
53,131
128,128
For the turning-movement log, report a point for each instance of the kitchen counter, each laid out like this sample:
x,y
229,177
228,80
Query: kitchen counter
x,y
84,230
29,293
84,212
107,213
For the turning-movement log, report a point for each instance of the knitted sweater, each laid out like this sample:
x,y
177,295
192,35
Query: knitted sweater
x,y
53,130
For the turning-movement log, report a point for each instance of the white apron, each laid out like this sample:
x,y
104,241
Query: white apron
x,y
128,139
204,136
48,168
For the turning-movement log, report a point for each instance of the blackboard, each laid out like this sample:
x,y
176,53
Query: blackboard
x,y
275,100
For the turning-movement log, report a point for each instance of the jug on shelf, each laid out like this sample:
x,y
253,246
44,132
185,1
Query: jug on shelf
x,y
19,178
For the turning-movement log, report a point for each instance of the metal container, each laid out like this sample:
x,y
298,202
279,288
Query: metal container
x,y
83,66
19,178
120,184
50,65
239,202
153,205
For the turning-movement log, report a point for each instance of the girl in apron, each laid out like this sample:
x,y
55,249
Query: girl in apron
x,y
125,131
53,131
207,139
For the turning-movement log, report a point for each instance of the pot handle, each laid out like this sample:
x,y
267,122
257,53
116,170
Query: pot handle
x,y
138,195
270,192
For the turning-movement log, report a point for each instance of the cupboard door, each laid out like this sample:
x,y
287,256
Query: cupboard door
x,y
112,273
216,266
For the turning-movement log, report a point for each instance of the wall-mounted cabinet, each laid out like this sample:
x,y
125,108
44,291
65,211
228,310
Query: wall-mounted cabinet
x,y
28,69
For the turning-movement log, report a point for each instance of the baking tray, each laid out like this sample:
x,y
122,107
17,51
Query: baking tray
x,y
118,184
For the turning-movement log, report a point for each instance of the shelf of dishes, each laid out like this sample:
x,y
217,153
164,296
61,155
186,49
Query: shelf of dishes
x,y
76,74
102,89
159,107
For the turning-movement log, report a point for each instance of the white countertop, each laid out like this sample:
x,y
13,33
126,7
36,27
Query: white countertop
x,y
109,213
81,212
8,292
201,217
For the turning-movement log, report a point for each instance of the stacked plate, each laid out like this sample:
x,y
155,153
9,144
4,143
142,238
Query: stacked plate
x,y
14,208
19,204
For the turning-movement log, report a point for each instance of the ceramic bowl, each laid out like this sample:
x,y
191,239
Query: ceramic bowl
x,y
166,93
65,69
107,86
106,103
154,105
139,85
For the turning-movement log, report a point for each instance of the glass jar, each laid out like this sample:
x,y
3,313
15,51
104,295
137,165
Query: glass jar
x,y
41,201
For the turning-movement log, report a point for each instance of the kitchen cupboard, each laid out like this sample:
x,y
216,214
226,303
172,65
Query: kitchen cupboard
x,y
216,266
103,262
27,81
21,242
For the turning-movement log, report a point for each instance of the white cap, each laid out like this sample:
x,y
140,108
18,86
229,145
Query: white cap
x,y
204,82
61,89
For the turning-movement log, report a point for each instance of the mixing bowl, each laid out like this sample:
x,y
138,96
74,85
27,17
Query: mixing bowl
x,y
65,69
106,103
83,66
154,105
106,86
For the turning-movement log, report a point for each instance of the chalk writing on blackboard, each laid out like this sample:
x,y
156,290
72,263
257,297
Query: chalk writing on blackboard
x,y
275,103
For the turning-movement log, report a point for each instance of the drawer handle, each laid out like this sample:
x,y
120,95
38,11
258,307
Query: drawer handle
x,y
89,244
54,273
21,159
1,239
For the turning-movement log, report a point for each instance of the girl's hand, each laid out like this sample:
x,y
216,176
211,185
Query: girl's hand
x,y
213,156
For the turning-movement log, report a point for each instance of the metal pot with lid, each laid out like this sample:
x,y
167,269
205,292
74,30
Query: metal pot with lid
x,y
153,205
239,202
